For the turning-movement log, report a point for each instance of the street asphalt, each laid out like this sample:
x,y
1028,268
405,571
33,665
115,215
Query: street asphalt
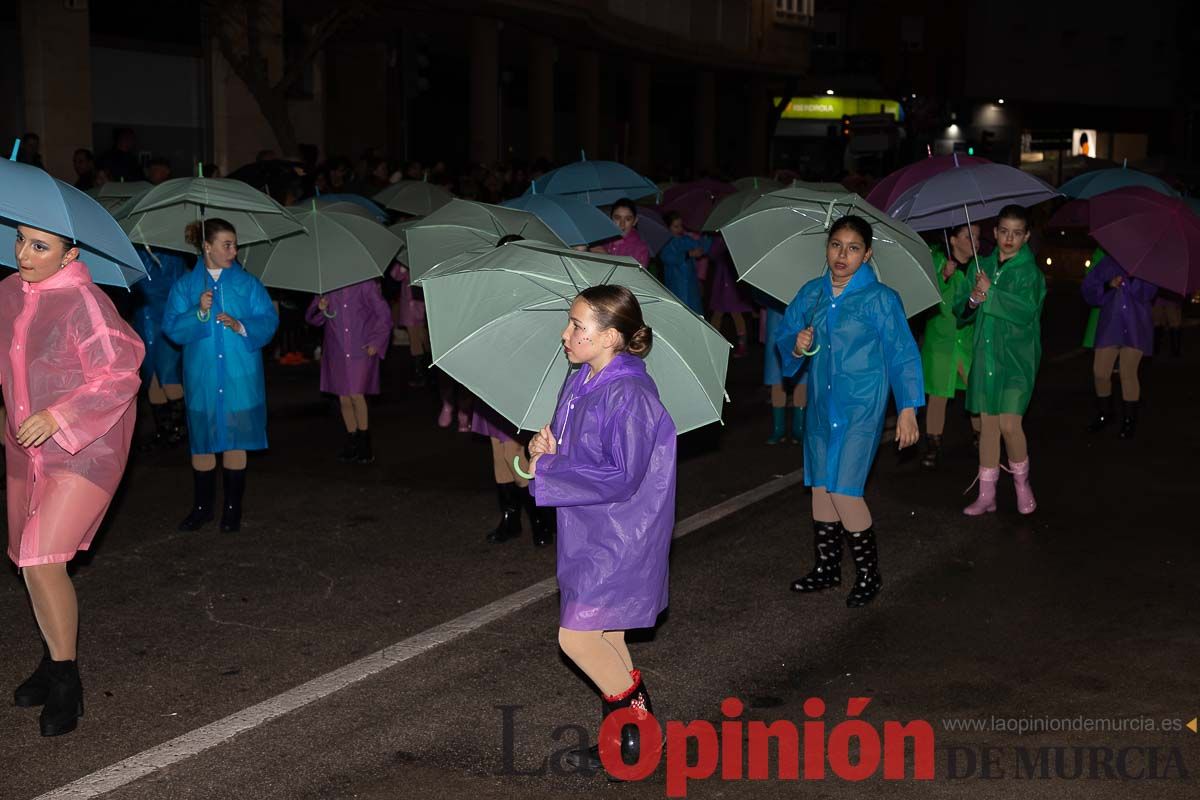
x,y
1082,614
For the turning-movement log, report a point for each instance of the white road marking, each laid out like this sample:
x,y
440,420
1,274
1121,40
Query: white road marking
x,y
195,742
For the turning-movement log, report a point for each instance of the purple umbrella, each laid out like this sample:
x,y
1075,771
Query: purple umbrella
x,y
960,194
895,184
694,200
1154,237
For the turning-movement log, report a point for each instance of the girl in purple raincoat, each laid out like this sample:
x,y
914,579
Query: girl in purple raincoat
x,y
358,326
607,463
727,295
1124,334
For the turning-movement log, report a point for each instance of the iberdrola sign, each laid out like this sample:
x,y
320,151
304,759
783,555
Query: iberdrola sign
x,y
836,107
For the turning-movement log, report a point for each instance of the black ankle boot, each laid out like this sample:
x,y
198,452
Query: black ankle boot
x,y
827,572
350,448
161,414
33,690
364,454
176,421
510,514
64,700
204,489
933,450
542,521
233,484
867,580
1128,418
1104,414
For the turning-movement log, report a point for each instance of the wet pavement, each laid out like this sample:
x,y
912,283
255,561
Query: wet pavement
x,y
1085,611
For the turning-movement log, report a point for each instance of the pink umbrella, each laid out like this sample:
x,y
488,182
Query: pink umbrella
x,y
1154,237
888,190
694,200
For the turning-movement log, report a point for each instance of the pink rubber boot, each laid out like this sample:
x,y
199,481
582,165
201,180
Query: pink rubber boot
x,y
446,416
1026,503
986,501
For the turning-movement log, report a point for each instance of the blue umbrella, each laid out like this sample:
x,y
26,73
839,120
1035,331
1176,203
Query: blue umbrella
x,y
30,196
1090,184
597,183
965,194
573,221
345,197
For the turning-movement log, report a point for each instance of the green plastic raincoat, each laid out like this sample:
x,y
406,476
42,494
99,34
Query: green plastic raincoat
x,y
946,349
1008,333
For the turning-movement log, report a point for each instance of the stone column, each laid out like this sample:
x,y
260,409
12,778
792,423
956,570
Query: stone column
x,y
542,56
587,102
57,82
484,98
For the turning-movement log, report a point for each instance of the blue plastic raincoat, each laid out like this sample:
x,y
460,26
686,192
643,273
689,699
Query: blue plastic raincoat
x,y
613,483
164,359
679,269
865,348
222,370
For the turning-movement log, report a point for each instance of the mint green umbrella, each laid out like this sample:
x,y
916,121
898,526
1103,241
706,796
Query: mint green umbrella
x,y
496,317
113,194
158,217
778,245
758,182
335,250
401,230
416,198
463,225
732,206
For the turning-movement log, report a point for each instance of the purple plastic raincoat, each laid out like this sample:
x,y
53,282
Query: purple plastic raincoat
x,y
1125,313
613,482
357,317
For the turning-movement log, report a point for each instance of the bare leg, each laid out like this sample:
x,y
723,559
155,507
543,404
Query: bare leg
x,y
233,459
852,511
1102,367
1131,387
989,441
503,453
716,319
1014,438
616,640
359,406
54,604
823,509
204,462
173,391
347,409
778,397
155,393
935,415
417,335
739,324
800,395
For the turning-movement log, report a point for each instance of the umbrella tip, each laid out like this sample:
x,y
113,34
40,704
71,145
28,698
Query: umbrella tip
x,y
955,159
582,155
16,149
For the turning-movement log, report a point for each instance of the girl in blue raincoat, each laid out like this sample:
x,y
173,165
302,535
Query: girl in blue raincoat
x,y
679,262
607,463
849,330
162,369
223,317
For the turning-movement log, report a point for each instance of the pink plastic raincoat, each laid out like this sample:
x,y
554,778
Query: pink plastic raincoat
x,y
64,348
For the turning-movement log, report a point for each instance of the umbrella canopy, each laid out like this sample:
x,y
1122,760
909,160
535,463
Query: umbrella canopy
x,y
30,196
496,316
415,198
1154,237
1090,184
732,205
463,225
756,182
967,194
339,207
573,221
889,189
159,217
113,194
597,183
652,229
335,250
272,174
778,245
401,230
694,200
344,199
1071,214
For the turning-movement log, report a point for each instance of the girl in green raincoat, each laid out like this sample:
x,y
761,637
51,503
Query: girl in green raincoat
x,y
1004,297
946,348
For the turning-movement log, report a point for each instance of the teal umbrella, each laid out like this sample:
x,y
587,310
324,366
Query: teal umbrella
x,y
597,183
778,245
496,316
415,198
158,217
335,250
30,196
1099,181
463,225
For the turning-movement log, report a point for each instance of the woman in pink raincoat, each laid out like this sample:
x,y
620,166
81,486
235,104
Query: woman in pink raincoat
x,y
358,326
607,463
69,368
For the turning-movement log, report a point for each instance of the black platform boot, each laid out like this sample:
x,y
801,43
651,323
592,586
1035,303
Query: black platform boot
x,y
542,521
64,699
350,448
827,547
33,690
1104,414
933,450
233,484
204,489
867,580
1128,418
510,514
364,454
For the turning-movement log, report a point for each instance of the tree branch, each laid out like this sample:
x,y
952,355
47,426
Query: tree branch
x,y
324,30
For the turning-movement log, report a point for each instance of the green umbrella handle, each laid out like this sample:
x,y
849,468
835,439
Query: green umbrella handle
x,y
16,149
813,352
517,469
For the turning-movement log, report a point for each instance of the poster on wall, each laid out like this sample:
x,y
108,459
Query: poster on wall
x,y
1083,142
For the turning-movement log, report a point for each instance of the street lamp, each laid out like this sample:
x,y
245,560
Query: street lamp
x,y
829,91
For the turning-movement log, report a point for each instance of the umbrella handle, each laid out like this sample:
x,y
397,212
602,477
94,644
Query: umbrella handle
x,y
813,352
517,469
16,149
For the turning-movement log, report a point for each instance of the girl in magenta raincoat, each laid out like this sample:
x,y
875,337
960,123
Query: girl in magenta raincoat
x,y
69,369
625,216
358,327
607,463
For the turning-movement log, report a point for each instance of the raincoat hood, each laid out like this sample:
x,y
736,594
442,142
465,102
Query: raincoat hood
x,y
623,365
73,274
